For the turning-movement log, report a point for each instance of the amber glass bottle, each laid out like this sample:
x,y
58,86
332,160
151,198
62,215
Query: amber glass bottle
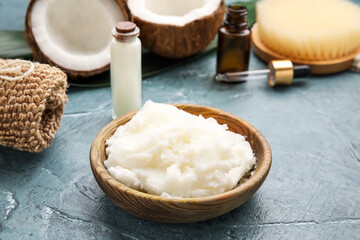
x,y
233,50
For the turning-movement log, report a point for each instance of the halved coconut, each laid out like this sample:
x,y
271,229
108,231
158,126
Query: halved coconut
x,y
74,35
177,29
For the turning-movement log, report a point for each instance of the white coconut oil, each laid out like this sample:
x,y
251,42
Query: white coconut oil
x,y
125,69
168,152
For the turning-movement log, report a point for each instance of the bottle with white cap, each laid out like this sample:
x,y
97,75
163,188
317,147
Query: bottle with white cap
x,y
125,69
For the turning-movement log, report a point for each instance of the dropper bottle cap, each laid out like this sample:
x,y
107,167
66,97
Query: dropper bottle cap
x,y
282,72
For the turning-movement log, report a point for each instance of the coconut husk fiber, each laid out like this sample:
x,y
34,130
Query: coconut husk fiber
x,y
32,101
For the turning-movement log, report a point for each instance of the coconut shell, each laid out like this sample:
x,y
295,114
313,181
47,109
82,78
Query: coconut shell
x,y
42,58
180,41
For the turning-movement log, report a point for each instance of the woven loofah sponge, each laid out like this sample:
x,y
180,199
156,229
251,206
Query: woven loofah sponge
x,y
309,29
32,101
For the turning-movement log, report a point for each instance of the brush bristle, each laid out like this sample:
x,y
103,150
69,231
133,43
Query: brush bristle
x,y
309,29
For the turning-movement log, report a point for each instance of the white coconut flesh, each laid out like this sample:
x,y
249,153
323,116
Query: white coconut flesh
x,y
75,34
178,13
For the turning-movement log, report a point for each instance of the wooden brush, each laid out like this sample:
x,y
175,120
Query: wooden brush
x,y
310,30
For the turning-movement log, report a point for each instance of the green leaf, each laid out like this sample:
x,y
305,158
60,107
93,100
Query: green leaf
x,y
14,45
101,80
153,64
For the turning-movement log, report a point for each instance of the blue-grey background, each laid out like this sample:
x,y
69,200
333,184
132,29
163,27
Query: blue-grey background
x,y
312,191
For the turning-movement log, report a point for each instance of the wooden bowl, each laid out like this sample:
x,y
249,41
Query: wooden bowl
x,y
182,210
317,67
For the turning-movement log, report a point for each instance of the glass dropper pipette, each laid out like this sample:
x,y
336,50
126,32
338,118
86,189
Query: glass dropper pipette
x,y
280,72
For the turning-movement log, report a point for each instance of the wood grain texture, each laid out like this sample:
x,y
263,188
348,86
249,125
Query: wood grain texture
x,y
317,67
182,210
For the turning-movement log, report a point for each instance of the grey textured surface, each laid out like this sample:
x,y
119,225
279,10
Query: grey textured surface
x,y
312,191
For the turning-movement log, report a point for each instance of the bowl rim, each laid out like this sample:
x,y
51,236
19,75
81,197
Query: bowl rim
x,y
99,169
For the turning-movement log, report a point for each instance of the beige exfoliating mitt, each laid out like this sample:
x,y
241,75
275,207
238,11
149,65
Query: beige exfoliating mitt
x,y
32,101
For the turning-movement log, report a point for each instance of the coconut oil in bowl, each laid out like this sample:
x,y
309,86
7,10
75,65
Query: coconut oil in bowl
x,y
182,210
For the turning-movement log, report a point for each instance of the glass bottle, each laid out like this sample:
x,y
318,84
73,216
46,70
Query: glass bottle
x,y
125,69
233,50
